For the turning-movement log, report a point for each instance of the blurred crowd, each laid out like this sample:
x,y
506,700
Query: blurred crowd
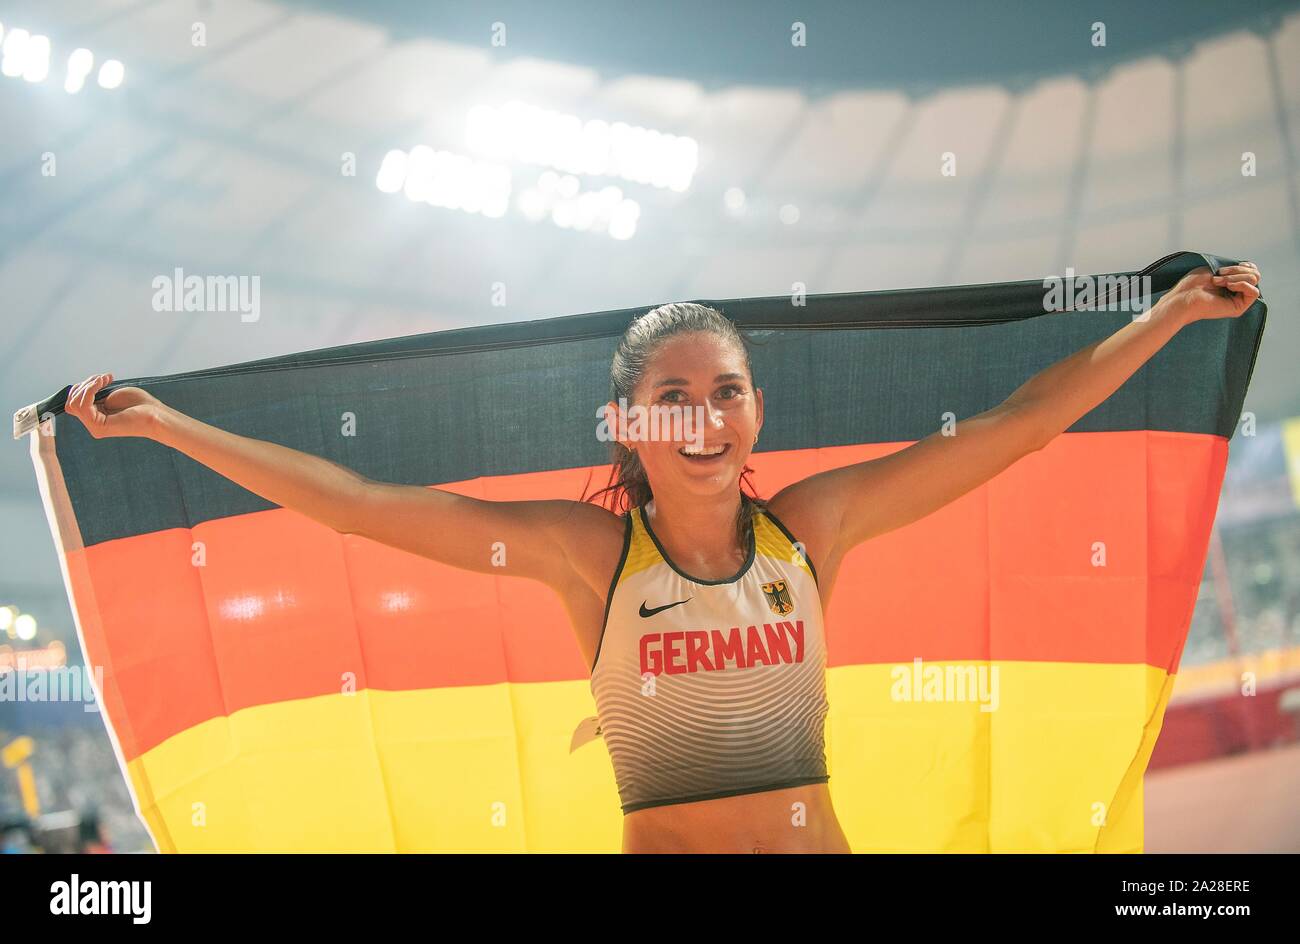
x,y
84,805
1261,611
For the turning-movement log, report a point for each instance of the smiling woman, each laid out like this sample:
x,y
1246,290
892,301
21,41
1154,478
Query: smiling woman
x,y
722,724
381,638
702,368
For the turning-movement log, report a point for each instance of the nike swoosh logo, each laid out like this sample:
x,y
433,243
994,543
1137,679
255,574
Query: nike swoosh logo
x,y
667,606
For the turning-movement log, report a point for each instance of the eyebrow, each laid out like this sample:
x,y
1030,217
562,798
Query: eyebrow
x,y
683,382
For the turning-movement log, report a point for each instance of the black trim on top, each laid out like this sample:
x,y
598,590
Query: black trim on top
x,y
807,558
721,794
744,568
613,583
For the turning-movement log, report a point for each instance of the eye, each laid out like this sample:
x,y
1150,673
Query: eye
x,y
734,389
668,394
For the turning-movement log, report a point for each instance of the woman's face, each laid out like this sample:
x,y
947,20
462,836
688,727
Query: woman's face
x,y
705,376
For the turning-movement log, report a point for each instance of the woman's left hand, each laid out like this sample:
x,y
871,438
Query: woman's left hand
x,y
1202,295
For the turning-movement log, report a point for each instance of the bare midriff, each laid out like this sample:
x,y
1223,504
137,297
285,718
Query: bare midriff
x,y
796,819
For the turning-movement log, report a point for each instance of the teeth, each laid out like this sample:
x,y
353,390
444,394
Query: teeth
x,y
693,451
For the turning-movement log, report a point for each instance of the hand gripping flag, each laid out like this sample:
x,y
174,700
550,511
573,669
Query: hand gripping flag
x,y
998,671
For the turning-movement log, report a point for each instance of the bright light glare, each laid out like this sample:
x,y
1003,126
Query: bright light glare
x,y
392,172
111,74
36,64
447,180
15,53
79,65
622,224
457,182
532,135
27,55
25,627
596,211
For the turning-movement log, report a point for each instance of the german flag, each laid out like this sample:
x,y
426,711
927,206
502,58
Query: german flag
x,y
998,671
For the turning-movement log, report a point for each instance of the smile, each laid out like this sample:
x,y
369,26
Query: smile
x,y
696,454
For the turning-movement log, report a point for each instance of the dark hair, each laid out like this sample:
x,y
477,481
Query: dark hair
x,y
629,486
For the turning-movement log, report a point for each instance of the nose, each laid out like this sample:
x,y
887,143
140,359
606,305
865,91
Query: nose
x,y
714,415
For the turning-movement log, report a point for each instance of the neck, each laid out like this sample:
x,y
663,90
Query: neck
x,y
699,534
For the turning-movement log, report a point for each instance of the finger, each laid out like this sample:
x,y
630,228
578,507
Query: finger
x,y
100,383
1245,289
70,401
84,391
75,395
86,396
1238,271
1251,277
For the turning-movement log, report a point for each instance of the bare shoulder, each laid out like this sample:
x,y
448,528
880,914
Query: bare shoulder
x,y
814,523
592,538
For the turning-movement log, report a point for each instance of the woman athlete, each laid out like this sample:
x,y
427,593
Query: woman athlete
x,y
695,535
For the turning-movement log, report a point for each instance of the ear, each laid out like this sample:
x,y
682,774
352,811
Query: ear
x,y
758,426
616,422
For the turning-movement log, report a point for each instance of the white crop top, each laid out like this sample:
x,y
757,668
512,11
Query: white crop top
x,y
711,688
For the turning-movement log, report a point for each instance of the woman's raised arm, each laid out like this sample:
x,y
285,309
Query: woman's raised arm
x,y
532,539
841,508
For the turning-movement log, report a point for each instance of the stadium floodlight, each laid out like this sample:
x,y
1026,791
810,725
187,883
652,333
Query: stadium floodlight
x,y
447,180
419,167
79,65
36,62
623,219
25,627
458,182
28,55
561,200
111,74
392,172
14,52
531,135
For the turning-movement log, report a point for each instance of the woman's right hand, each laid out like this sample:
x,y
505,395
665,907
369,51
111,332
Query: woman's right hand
x,y
126,411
